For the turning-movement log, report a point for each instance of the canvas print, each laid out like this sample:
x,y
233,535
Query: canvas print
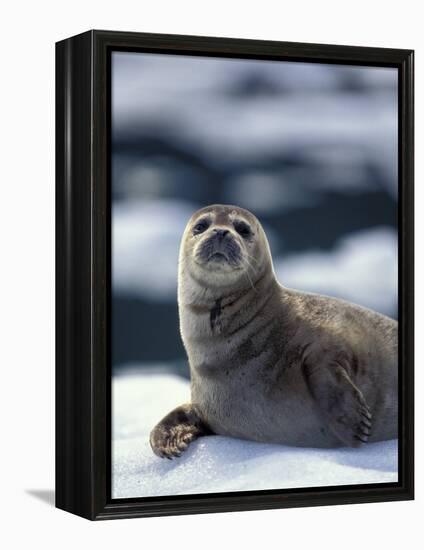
x,y
254,307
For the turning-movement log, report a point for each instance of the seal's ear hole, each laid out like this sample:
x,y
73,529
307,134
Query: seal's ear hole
x,y
201,226
242,228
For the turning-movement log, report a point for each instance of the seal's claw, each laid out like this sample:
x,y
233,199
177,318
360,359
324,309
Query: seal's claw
x,y
167,442
171,437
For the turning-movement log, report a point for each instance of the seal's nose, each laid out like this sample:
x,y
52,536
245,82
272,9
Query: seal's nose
x,y
220,233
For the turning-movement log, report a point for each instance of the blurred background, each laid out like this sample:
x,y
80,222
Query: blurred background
x,y
311,149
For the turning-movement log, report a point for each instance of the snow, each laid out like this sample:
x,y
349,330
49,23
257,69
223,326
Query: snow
x,y
220,464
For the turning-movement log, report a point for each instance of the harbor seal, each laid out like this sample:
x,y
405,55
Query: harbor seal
x,y
269,363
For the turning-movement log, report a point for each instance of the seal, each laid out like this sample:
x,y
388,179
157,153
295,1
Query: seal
x,y
269,363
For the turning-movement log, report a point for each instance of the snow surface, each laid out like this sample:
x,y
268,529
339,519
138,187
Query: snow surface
x,y
220,464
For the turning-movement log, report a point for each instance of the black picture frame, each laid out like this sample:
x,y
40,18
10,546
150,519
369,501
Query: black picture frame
x,y
83,371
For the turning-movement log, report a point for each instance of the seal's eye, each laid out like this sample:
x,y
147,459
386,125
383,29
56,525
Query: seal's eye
x,y
242,229
201,226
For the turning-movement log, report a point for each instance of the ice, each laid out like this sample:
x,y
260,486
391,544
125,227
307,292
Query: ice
x,y
145,250
362,268
199,102
220,464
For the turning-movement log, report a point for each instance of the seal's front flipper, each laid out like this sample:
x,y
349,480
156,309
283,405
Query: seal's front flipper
x,y
341,403
176,431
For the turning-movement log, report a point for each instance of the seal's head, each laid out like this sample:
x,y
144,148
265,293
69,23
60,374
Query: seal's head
x,y
223,244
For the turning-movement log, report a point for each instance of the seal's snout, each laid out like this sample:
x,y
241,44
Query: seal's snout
x,y
219,247
220,233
